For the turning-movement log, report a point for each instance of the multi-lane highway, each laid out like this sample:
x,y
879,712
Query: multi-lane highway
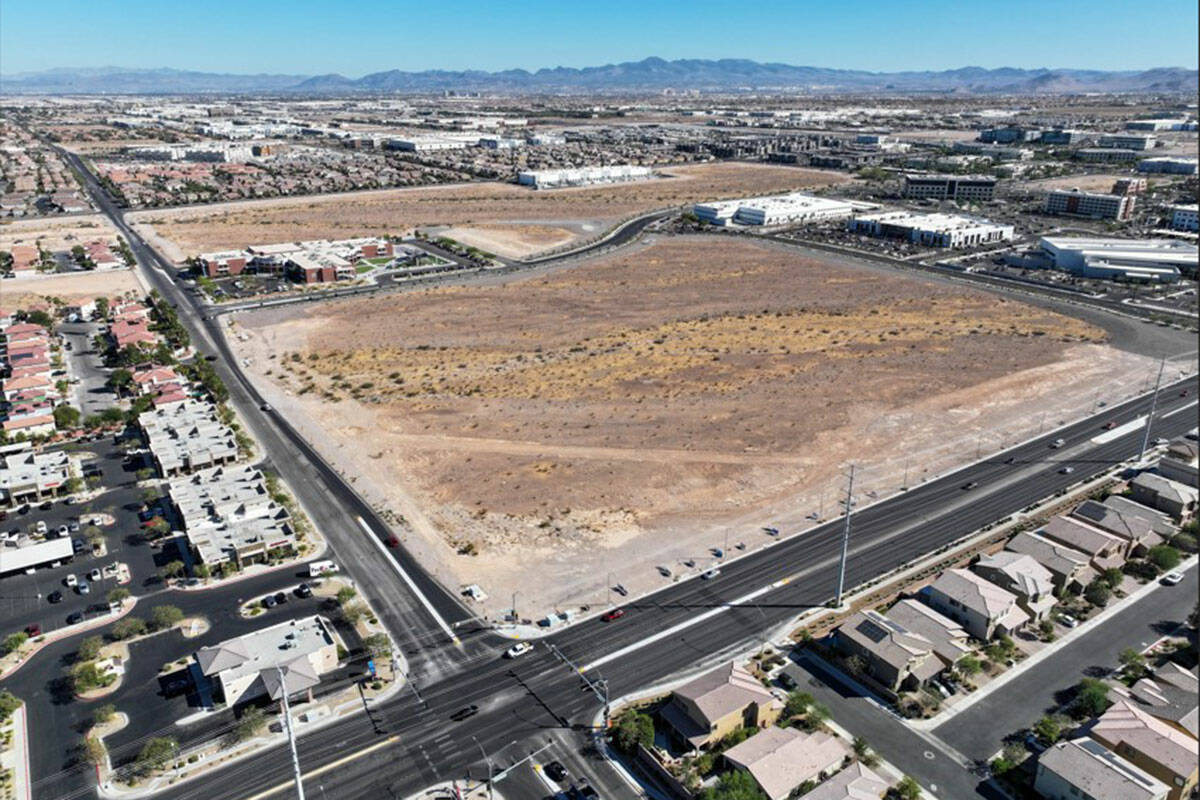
x,y
415,742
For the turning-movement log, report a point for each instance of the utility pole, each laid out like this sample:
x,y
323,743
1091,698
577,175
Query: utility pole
x,y
287,724
1153,406
488,759
845,539
514,607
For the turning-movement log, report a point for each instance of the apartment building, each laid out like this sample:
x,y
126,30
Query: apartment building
x,y
1092,205
960,188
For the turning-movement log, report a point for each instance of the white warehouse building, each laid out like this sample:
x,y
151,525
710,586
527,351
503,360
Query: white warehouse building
x,y
1130,259
582,176
782,209
937,230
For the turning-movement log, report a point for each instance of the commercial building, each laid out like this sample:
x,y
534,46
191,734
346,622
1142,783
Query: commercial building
x,y
582,176
934,230
996,152
431,144
28,476
284,659
1106,155
783,209
1169,165
1009,135
23,553
1159,125
223,264
1130,259
961,188
1083,768
1183,218
187,436
1060,136
1127,141
1076,203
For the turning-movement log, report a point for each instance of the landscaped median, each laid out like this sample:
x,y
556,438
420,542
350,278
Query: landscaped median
x,y
24,649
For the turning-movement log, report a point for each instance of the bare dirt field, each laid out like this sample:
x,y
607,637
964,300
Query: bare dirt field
x,y
34,291
1088,183
515,240
186,232
56,233
557,433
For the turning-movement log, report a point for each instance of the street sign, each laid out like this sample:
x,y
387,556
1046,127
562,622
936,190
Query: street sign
x,y
371,667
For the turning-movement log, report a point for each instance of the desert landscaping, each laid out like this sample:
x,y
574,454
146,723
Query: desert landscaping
x,y
628,412
515,220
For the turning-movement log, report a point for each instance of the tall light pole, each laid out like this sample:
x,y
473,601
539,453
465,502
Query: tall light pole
x,y
488,759
1153,406
845,539
287,724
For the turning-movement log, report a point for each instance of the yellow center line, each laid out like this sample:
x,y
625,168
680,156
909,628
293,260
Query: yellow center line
x,y
322,770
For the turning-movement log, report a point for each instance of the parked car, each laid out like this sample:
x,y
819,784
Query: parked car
x,y
304,590
55,596
269,602
517,650
33,630
95,575
77,545
74,618
393,541
281,597
1172,578
82,587
615,614
70,580
1068,620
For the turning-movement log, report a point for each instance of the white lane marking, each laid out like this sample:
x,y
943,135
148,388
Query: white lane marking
x,y
674,629
1181,408
1120,430
400,570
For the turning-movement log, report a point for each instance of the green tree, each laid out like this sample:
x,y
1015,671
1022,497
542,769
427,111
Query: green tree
x,y
379,645
969,665
797,703
172,569
345,595
249,725
734,785
120,380
907,789
66,417
104,713
1048,729
13,642
814,717
1113,576
163,617
1097,593
8,704
93,752
101,308
118,595
128,628
633,729
1164,557
156,754
202,571
88,676
1133,662
89,648
1091,699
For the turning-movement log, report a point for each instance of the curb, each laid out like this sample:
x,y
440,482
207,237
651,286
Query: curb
x,y
69,631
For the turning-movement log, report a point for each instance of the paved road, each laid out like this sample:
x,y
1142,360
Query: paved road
x,y
522,700
979,730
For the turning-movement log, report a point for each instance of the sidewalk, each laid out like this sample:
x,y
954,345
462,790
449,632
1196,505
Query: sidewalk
x,y
1046,652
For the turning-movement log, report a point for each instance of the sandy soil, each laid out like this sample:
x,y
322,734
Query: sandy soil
x,y
1088,183
56,233
543,433
393,211
513,241
33,291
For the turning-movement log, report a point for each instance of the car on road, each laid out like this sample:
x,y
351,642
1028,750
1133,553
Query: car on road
x,y
393,541
1172,578
615,614
1183,393
75,618
1108,426
555,771
33,630
304,590
55,597
970,485
588,792
1067,470
1057,443
464,713
517,650
265,407
710,574
1010,460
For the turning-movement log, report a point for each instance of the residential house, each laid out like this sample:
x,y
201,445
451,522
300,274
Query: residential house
x,y
949,639
855,782
714,705
1022,575
1080,769
1181,462
1166,752
1141,526
894,659
1103,549
1170,694
287,658
781,759
1168,496
1070,569
984,609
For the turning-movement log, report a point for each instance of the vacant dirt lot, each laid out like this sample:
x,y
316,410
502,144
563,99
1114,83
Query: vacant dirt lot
x,y
56,233
544,433
70,287
235,225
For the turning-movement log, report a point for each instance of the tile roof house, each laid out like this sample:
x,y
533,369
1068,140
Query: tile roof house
x,y
984,609
1170,497
855,782
950,640
1070,569
1022,575
1083,768
1142,526
1170,694
714,705
893,658
781,759
1103,549
1167,753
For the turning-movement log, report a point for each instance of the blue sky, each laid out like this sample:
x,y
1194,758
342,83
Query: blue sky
x,y
358,37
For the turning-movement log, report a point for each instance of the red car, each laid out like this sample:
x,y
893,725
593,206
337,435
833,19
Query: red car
x,y
615,614
1108,426
33,630
393,541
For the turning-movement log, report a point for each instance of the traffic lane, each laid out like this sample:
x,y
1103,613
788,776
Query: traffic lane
x,y
933,766
576,750
979,731
523,783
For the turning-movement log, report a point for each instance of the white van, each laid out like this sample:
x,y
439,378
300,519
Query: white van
x,y
318,568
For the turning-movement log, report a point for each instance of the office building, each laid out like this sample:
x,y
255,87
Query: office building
x,y
287,658
1009,135
1076,203
1060,136
582,176
1128,259
934,230
1169,165
961,188
784,209
1183,218
1106,155
1126,141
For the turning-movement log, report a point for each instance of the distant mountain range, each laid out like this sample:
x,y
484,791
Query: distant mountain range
x,y
651,74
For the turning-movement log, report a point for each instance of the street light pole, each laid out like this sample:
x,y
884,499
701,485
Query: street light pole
x,y
488,759
1153,406
287,724
841,585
